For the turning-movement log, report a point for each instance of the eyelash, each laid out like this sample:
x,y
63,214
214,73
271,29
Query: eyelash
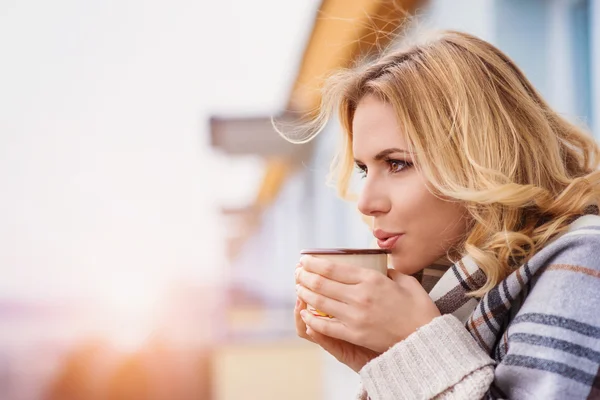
x,y
362,169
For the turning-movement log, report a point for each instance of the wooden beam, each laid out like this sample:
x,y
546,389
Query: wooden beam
x,y
344,31
276,171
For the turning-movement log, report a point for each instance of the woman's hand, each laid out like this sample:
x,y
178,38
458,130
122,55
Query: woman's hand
x,y
350,354
371,311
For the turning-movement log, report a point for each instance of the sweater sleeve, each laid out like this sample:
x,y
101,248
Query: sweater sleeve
x,y
440,359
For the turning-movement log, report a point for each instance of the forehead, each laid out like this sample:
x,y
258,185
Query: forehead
x,y
375,127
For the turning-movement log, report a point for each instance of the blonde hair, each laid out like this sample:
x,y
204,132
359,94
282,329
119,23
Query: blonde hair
x,y
482,136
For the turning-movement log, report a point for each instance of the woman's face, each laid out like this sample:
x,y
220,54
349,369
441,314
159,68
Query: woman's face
x,y
408,219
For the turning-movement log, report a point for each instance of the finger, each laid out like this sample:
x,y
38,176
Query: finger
x,y
322,303
343,273
300,325
328,327
324,286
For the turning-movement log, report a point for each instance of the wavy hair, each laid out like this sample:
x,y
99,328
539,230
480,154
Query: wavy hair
x,y
482,136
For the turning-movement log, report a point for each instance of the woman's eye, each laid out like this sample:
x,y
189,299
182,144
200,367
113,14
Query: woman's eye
x,y
394,167
362,170
397,165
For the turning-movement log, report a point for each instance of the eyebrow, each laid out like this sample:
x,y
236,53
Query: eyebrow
x,y
384,153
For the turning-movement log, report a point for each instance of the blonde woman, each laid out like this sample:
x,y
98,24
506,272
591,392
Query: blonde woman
x,y
462,161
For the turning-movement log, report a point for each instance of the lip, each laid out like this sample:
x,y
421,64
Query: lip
x,y
386,240
388,243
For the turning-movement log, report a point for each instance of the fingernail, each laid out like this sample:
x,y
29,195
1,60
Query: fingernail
x,y
297,273
303,314
297,303
297,288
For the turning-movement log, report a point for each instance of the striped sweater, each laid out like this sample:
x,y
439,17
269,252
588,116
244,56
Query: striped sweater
x,y
535,335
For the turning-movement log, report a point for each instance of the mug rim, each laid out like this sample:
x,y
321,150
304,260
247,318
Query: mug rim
x,y
340,250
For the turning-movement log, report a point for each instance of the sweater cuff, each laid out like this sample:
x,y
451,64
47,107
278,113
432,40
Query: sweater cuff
x,y
434,358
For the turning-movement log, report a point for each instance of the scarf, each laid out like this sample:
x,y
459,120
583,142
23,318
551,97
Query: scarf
x,y
486,318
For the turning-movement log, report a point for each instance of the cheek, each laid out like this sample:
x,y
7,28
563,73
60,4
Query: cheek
x,y
432,225
413,204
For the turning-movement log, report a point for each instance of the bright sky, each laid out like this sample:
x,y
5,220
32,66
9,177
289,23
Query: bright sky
x,y
106,175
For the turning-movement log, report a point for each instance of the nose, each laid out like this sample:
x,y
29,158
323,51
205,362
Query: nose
x,y
374,199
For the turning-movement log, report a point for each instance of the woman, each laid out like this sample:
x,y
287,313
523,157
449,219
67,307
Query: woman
x,y
462,161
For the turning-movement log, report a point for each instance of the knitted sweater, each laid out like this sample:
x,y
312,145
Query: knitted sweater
x,y
535,335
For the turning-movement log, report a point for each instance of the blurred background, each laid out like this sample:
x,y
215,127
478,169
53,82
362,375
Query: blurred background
x,y
152,218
